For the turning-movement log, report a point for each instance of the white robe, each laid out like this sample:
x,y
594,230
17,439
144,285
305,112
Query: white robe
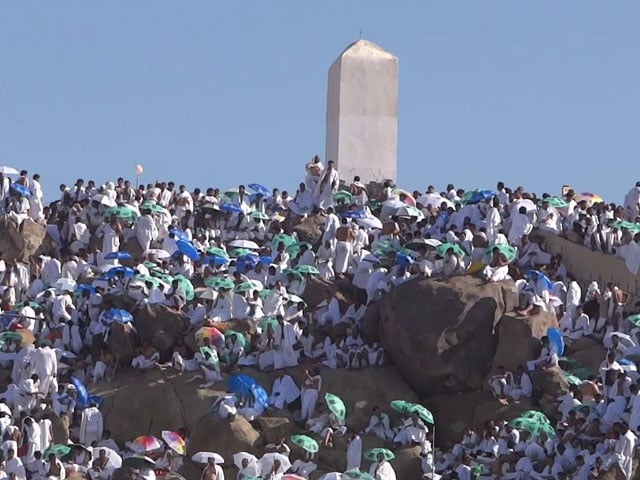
x,y
284,392
354,453
382,471
91,426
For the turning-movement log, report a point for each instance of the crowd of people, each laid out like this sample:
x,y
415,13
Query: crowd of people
x,y
223,256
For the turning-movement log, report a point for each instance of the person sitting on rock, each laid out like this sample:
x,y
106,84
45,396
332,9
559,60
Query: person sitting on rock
x,y
146,359
501,383
548,356
379,425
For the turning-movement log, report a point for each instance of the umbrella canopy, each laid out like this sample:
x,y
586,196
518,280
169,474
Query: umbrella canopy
x,y
241,384
535,415
336,405
249,286
478,195
402,406
260,396
230,208
342,196
58,450
122,213
357,474
429,242
282,237
206,294
118,256
245,244
266,323
187,286
634,319
219,282
355,214
159,253
507,250
376,453
5,170
105,200
411,212
241,252
240,456
146,443
307,269
212,333
539,276
174,441
444,248
10,336
268,459
555,338
203,457
306,443
258,215
259,189
139,462
153,206
555,202
625,340
115,460
571,379
115,271
188,249
117,315
589,197
239,336
296,274
533,426
20,189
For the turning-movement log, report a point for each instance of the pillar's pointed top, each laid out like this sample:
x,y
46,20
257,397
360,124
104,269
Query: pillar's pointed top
x,y
365,48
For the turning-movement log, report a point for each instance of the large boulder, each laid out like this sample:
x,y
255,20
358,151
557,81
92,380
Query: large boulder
x,y
550,382
441,335
454,412
310,229
314,292
276,425
519,338
153,320
588,352
21,243
122,342
499,410
213,434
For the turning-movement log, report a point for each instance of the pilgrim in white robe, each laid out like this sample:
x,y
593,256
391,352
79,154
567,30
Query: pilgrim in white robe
x,y
91,426
354,453
283,392
382,471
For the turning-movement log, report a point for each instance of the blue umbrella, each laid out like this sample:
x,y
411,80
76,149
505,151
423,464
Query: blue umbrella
x,y
115,271
230,208
354,214
118,256
81,391
218,261
21,189
260,396
541,276
118,315
476,196
259,189
403,260
266,260
555,338
241,384
178,234
188,249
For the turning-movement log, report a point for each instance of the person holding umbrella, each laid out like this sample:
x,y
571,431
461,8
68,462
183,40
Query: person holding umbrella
x,y
212,471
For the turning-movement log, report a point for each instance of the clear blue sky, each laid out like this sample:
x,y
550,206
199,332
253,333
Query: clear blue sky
x,y
211,93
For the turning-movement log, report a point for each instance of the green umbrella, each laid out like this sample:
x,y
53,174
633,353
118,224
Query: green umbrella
x,y
572,379
375,453
293,272
568,363
294,248
58,450
444,248
336,405
147,278
307,269
535,415
186,284
268,321
507,250
33,305
264,293
555,202
342,196
387,246
357,474
212,353
282,237
123,213
239,335
240,252
534,427
249,286
217,252
219,282
634,319
257,214
582,373
9,336
374,204
402,406
308,444
154,207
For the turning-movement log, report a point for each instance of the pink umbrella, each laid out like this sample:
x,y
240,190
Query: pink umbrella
x,y
409,200
175,442
146,443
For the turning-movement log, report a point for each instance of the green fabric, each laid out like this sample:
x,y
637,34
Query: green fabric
x,y
306,443
375,453
336,405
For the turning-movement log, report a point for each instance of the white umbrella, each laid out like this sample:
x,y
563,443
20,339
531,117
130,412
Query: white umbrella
x,y
389,207
203,457
268,459
64,285
429,242
8,170
240,456
625,340
159,253
105,200
294,298
369,222
115,460
409,211
244,244
208,294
